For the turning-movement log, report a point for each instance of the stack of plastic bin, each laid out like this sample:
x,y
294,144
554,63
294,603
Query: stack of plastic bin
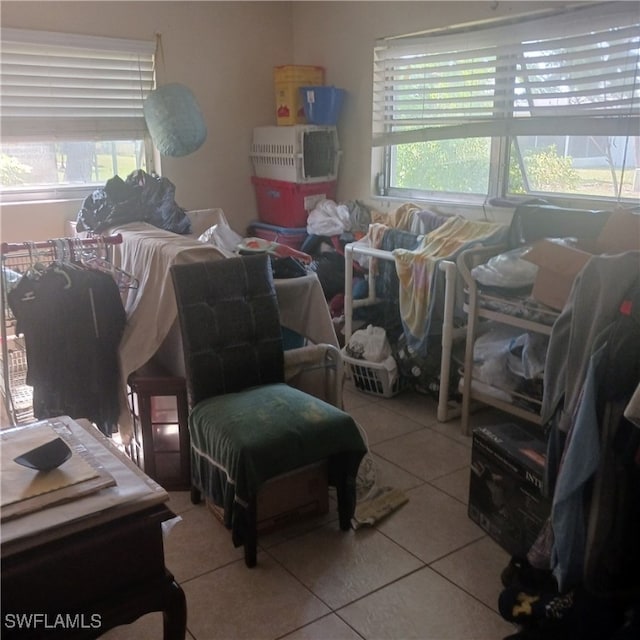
x,y
294,168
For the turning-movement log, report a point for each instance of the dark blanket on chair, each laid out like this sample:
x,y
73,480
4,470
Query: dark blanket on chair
x,y
288,429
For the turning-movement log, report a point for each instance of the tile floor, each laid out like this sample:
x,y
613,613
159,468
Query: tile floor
x,y
426,572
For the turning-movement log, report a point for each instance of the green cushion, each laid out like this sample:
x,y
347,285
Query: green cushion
x,y
262,432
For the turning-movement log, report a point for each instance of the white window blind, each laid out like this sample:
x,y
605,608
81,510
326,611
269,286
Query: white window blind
x,y
63,86
575,72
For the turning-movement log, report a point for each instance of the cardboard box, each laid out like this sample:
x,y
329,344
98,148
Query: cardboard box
x,y
558,264
289,498
620,233
505,487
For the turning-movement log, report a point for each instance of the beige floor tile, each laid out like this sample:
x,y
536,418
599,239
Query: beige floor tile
x,y
381,423
388,474
476,569
237,603
419,407
340,566
431,525
351,398
180,501
424,606
452,429
302,526
197,544
456,484
425,453
327,628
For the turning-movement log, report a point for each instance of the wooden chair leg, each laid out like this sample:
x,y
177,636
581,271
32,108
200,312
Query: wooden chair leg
x,y
346,495
174,616
251,535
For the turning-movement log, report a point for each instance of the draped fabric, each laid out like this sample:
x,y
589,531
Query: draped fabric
x,y
417,270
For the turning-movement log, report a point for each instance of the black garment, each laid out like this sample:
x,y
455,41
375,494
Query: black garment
x,y
72,320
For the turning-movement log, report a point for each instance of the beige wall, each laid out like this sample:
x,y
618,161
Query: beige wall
x,y
225,51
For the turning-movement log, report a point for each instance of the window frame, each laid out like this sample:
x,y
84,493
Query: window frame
x,y
385,137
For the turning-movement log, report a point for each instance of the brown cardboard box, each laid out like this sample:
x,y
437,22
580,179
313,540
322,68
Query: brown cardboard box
x,y
620,233
289,498
558,263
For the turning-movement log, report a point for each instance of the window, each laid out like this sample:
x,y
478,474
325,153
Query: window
x,y
71,112
548,106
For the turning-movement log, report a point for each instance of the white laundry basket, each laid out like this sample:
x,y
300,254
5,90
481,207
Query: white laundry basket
x,y
372,377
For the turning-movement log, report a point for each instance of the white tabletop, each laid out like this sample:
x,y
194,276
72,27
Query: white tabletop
x,y
133,492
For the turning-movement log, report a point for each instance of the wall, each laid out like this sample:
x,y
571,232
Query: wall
x,y
225,51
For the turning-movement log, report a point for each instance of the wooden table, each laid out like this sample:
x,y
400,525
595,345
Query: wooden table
x,y
77,569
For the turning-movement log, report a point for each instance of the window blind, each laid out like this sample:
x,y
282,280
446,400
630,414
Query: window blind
x,y
63,86
575,72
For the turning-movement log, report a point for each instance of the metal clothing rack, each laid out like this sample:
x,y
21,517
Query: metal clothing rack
x,y
18,259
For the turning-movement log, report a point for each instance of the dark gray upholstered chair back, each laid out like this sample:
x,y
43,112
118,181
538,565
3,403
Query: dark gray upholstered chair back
x,y
230,325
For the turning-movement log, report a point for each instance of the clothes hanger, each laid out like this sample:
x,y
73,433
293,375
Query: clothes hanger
x,y
88,257
36,266
57,266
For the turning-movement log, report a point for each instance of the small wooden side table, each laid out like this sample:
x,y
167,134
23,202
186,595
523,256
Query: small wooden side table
x,y
160,444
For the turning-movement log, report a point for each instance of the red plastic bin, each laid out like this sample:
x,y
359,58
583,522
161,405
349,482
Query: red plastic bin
x,y
287,204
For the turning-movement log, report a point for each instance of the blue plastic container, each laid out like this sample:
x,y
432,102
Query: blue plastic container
x,y
322,105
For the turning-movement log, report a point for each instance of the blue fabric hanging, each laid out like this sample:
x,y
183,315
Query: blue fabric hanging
x,y
174,120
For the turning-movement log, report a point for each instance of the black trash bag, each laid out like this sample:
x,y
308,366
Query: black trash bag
x,y
142,197
329,267
157,197
116,203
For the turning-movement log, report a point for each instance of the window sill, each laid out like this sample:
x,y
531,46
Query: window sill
x,y
474,210
37,202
